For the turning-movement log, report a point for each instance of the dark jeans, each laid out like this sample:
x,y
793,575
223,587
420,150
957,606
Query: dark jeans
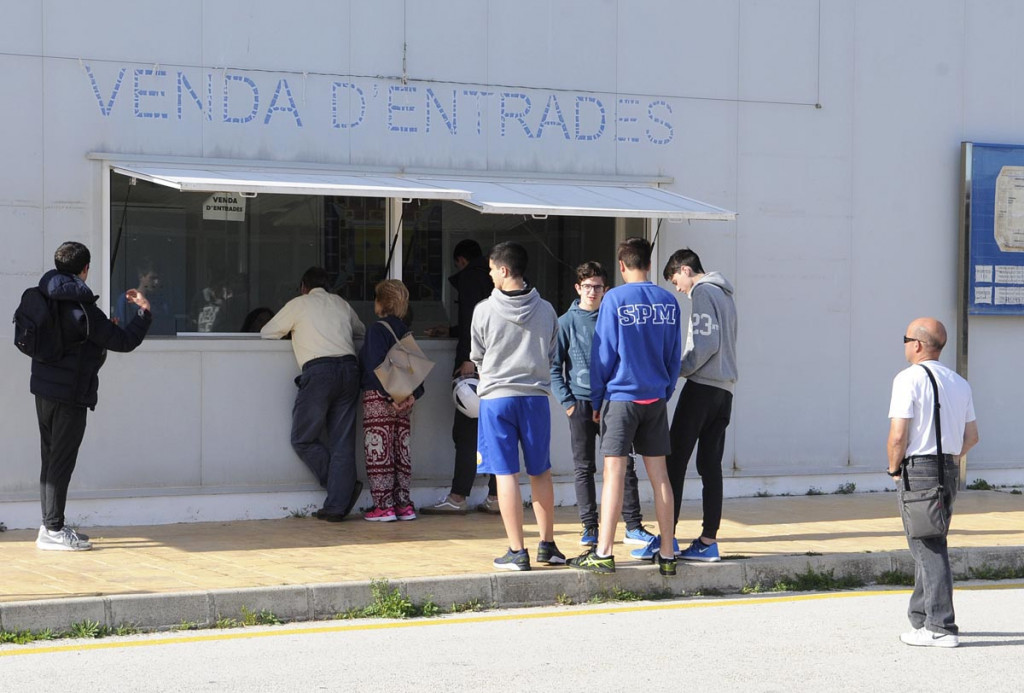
x,y
701,417
61,429
931,603
464,437
583,433
326,404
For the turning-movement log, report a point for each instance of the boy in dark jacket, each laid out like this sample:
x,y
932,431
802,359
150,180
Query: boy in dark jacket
x,y
65,389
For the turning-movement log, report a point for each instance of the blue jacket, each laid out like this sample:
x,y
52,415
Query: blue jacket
x,y
376,344
87,334
570,369
637,345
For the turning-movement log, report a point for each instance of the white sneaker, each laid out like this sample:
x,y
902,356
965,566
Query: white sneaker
x,y
922,637
446,506
64,539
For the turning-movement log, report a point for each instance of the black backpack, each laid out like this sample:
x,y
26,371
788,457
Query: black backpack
x,y
37,331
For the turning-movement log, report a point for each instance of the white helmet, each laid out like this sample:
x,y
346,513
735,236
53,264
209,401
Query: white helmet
x,y
464,395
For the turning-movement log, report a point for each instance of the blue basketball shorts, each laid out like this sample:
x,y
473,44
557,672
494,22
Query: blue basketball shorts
x,y
508,423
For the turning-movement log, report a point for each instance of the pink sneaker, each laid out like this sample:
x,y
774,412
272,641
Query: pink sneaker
x,y
380,515
406,512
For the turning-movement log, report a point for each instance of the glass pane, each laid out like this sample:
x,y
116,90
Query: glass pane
x,y
215,275
556,245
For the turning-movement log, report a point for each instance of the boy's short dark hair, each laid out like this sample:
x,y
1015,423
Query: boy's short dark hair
x,y
635,253
591,269
314,278
682,258
467,248
71,257
511,255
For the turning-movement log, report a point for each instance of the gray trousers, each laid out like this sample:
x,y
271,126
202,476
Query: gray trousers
x,y
931,604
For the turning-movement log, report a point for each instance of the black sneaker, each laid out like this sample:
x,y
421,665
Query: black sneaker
x,y
513,560
666,566
548,553
589,560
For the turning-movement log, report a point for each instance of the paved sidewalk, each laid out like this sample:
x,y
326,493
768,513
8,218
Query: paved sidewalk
x,y
453,557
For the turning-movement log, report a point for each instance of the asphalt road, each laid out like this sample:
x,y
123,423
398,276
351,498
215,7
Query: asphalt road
x,y
808,642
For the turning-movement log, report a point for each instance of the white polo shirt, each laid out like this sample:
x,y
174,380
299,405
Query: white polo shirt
x,y
322,324
914,399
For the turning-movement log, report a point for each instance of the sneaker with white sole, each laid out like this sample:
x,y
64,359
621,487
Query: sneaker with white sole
x,y
548,553
922,637
699,551
42,529
64,539
405,512
489,505
588,537
380,515
638,535
446,506
651,549
513,560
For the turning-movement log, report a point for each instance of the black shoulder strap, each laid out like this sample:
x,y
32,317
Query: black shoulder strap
x,y
938,427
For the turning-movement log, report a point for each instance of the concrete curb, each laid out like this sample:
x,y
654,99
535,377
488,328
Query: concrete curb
x,y
499,590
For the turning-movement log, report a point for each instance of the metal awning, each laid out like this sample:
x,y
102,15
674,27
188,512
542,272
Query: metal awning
x,y
551,198
492,196
287,182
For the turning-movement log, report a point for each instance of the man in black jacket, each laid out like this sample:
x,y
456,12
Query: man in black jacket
x,y
473,284
65,389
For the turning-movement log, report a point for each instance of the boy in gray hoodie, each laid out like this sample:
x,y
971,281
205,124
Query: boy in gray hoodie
x,y
512,344
705,403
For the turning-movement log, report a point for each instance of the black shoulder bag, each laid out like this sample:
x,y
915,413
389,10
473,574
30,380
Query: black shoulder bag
x,y
924,512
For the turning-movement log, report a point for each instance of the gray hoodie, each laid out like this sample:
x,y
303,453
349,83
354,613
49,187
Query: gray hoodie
x,y
710,354
513,340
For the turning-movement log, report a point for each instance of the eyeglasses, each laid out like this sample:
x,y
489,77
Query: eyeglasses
x,y
593,288
907,340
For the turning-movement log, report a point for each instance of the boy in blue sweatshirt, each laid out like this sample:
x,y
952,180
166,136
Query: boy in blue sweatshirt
x,y
634,365
570,382
512,343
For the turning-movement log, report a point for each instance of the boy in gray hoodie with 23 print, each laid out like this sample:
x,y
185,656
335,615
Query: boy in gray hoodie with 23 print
x,y
705,403
512,343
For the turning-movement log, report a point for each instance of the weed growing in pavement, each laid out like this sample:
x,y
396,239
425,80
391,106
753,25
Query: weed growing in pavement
x,y
1015,492
846,489
617,594
894,577
264,617
1000,572
187,625
127,629
88,629
980,485
808,581
762,494
708,592
23,637
300,512
815,491
563,599
224,622
471,605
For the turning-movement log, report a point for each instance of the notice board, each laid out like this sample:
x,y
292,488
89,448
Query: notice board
x,y
994,216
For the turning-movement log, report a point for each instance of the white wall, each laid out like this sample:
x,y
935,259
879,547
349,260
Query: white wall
x,y
832,127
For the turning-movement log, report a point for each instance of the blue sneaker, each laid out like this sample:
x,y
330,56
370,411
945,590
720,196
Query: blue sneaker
x,y
651,549
639,536
698,551
588,537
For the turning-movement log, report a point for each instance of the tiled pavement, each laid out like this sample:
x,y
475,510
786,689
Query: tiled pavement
x,y
230,556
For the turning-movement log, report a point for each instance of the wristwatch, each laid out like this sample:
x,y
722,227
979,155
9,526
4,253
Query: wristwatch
x,y
889,472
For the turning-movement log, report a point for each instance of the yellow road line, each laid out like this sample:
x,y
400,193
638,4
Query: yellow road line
x,y
487,618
